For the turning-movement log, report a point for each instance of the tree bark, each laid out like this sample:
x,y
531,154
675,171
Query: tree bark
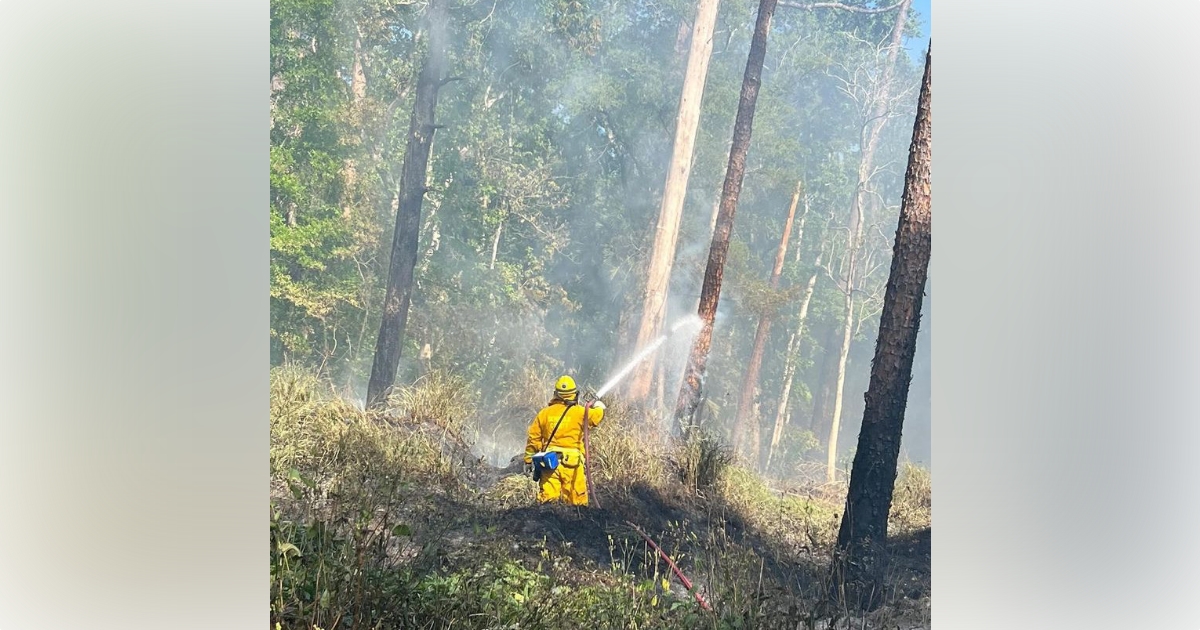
x,y
789,369
861,557
872,132
743,419
710,293
666,233
408,214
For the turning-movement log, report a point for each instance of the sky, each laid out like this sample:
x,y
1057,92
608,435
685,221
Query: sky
x,y
916,45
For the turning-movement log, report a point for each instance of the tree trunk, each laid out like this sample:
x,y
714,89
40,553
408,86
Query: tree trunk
x,y
408,214
496,245
862,538
840,384
662,256
743,418
873,131
789,369
710,292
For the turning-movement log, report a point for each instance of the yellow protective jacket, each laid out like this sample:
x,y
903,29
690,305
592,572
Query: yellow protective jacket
x,y
569,438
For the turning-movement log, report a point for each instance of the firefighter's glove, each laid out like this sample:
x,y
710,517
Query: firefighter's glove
x,y
599,404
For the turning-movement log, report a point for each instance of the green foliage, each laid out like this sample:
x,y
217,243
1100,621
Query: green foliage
x,y
545,178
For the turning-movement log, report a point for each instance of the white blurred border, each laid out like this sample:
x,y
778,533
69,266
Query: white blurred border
x,y
133,261
1065,358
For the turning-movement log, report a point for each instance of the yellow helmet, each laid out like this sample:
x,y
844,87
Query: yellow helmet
x,y
565,389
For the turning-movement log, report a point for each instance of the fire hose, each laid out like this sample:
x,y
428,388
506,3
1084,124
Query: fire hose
x,y
589,399
671,563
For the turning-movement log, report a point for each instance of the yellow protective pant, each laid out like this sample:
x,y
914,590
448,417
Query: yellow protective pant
x,y
565,483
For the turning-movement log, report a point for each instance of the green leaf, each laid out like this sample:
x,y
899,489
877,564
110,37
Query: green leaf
x,y
402,530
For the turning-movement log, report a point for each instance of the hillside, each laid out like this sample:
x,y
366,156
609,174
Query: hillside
x,y
390,520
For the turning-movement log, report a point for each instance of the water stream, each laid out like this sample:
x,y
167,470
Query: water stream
x,y
691,322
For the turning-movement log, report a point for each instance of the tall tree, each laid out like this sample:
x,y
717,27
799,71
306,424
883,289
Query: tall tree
x,y
870,144
408,212
862,538
662,255
710,292
743,423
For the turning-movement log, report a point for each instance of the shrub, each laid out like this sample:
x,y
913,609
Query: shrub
x,y
700,460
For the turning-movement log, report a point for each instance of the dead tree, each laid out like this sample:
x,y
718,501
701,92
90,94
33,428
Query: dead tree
x,y
790,361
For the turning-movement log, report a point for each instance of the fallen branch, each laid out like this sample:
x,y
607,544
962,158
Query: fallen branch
x,y
671,563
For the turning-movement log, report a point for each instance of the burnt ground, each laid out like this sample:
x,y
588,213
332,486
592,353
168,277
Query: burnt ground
x,y
454,525
688,527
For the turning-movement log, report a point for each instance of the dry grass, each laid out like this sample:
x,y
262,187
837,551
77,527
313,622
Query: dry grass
x,y
338,450
512,491
700,460
912,500
803,518
622,454
438,399
504,420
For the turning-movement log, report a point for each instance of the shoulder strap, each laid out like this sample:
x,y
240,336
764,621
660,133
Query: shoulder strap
x,y
556,425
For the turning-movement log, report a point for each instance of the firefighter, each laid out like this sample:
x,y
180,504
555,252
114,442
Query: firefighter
x,y
555,448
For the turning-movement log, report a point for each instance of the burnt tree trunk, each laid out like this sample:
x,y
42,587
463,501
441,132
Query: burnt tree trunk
x,y
408,213
861,557
710,292
745,422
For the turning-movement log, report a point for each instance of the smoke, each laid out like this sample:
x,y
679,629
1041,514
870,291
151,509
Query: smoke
x,y
577,145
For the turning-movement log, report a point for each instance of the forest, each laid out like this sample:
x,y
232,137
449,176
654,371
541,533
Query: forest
x,y
470,198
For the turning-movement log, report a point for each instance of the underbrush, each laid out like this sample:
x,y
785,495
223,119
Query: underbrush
x,y
912,504
378,521
623,455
